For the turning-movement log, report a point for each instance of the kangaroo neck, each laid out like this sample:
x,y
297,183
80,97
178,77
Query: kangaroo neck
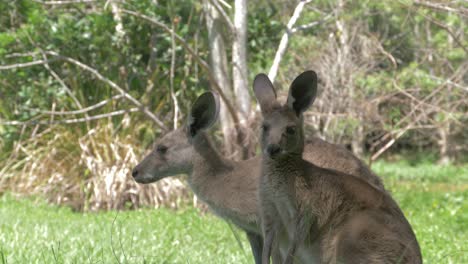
x,y
292,162
205,155
209,169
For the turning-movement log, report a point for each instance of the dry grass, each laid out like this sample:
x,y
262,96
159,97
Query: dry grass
x,y
88,172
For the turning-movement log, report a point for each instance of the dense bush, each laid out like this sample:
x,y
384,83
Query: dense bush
x,y
392,76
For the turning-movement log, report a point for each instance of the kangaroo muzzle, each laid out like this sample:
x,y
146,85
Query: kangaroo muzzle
x,y
273,150
135,173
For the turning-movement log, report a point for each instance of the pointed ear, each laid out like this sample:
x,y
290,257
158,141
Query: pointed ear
x,y
302,92
264,92
204,113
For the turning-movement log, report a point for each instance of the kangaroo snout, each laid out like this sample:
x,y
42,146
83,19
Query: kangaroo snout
x,y
273,150
137,176
135,172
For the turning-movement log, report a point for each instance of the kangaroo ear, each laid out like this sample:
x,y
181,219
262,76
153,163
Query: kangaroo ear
x,y
264,92
302,92
204,113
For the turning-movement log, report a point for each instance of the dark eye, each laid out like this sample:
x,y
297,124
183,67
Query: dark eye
x,y
161,149
265,127
291,130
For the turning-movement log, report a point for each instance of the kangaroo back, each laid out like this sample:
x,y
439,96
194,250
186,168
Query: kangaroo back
x,y
336,157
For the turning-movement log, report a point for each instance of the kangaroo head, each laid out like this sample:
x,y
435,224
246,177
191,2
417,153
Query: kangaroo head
x,y
172,154
282,132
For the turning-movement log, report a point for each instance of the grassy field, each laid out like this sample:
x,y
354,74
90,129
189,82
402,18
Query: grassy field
x,y
434,198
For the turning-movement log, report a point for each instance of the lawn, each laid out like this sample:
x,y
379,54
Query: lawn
x,y
434,199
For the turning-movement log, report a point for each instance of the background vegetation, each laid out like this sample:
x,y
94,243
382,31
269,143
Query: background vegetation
x,y
86,86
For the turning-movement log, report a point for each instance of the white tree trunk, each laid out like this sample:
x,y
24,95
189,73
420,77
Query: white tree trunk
x,y
358,140
239,60
445,148
345,62
285,39
218,64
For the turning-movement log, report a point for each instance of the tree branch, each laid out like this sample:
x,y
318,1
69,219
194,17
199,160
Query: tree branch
x,y
69,121
82,110
438,6
25,54
199,60
57,77
24,65
98,75
446,28
312,24
285,39
64,2
395,134
224,15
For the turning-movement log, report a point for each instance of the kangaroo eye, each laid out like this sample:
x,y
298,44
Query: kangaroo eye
x,y
291,130
161,149
265,127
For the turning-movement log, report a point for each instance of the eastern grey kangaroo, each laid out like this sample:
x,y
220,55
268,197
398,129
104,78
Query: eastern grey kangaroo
x,y
229,187
324,215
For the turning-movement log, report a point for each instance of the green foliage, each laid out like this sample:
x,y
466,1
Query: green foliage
x,y
261,49
140,62
413,58
375,83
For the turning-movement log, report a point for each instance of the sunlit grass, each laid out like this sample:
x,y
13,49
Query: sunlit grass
x,y
34,232
426,171
433,198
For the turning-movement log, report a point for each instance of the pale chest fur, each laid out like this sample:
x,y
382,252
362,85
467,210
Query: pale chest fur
x,y
279,188
279,191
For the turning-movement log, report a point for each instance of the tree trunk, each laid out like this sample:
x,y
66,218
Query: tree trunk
x,y
239,60
240,79
444,144
218,64
345,62
357,142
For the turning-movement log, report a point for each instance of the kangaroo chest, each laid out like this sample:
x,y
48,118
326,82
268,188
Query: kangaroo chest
x,y
279,191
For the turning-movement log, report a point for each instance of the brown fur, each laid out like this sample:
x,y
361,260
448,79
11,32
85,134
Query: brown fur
x,y
323,215
229,187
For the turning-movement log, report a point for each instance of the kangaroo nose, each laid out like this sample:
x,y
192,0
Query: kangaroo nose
x,y
273,149
134,173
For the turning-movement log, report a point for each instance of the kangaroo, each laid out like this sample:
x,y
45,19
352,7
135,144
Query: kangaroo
x,y
324,215
230,188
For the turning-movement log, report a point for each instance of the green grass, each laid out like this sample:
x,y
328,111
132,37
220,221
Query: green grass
x,y
425,172
434,199
34,232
